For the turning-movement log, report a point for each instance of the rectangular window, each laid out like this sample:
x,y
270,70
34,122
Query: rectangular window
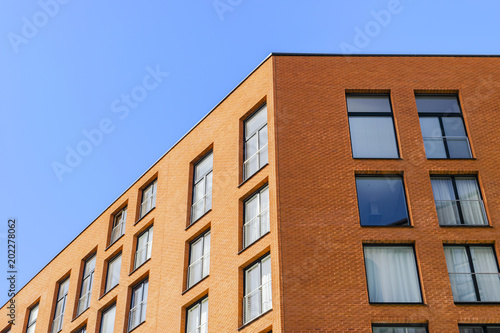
x,y
371,126
148,201
258,294
108,320
399,329
256,217
392,274
381,201
113,275
473,272
62,294
479,328
197,317
202,187
255,152
82,330
458,200
144,247
86,291
138,305
442,126
32,319
118,225
199,259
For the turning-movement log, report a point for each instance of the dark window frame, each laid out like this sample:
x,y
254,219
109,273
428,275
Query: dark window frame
x,y
484,327
192,306
247,137
109,261
257,192
248,267
33,322
114,224
201,236
373,114
90,276
147,230
140,284
401,176
154,183
64,300
203,178
102,315
440,116
403,325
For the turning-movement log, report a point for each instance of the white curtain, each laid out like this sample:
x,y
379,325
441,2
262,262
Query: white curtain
x,y
392,274
373,137
399,330
462,284
108,320
472,211
267,297
486,269
193,318
204,316
444,197
432,134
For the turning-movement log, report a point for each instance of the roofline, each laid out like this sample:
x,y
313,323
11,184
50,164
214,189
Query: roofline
x,y
144,173
275,54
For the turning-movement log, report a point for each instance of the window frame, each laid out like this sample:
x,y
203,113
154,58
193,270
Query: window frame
x,y
149,240
257,193
108,308
247,268
201,237
440,116
403,325
192,220
412,246
400,176
32,322
199,302
62,299
108,264
484,327
247,137
123,218
373,114
143,301
154,185
90,277
473,271
455,193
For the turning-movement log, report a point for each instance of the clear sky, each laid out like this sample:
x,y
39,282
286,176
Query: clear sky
x,y
67,67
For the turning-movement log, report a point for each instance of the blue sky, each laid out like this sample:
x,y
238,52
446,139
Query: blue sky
x,y
67,67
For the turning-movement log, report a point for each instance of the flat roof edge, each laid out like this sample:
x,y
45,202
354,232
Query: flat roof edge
x,y
295,54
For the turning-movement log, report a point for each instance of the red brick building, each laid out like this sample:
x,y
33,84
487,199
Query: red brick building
x,y
325,193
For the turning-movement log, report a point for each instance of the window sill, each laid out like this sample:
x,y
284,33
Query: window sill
x,y
255,319
204,214
78,316
194,285
255,173
136,326
397,303
107,292
142,218
110,245
256,241
465,225
136,269
458,158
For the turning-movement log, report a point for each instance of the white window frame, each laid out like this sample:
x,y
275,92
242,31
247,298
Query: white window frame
x,y
204,260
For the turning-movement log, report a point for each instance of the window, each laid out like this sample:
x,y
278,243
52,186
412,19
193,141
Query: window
x,y
256,217
381,201
199,259
138,305
86,291
113,276
60,306
371,126
202,187
82,330
392,274
144,246
148,201
255,142
108,319
118,225
399,329
32,319
442,127
458,201
473,272
258,295
197,317
479,328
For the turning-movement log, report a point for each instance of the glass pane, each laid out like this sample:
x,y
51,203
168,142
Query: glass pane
x,y
203,167
486,269
453,126
437,104
444,197
433,137
251,147
108,320
89,266
470,201
459,271
263,137
255,122
63,288
401,329
381,201
252,279
373,137
470,329
368,104
493,329
113,272
392,274
199,191
204,316
33,314
194,317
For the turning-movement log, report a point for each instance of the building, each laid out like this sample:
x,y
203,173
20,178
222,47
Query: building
x,y
325,193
